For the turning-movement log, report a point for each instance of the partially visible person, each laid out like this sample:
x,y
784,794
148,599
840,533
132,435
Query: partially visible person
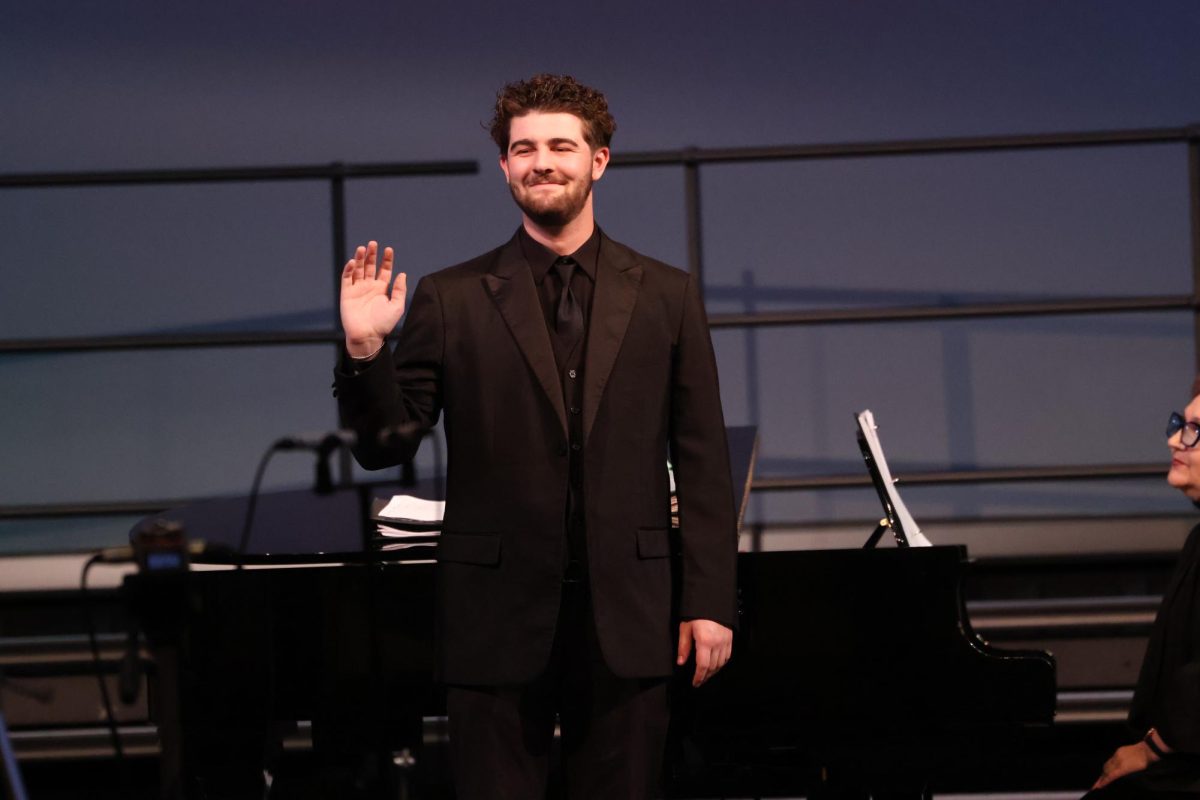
x,y
1165,763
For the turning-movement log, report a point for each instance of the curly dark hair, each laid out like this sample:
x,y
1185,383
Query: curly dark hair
x,y
553,93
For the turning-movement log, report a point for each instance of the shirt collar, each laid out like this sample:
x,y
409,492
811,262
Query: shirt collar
x,y
542,258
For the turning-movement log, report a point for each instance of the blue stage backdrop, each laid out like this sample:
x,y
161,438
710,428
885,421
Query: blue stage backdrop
x,y
144,85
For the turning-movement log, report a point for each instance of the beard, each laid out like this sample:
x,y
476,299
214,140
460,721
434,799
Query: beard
x,y
556,210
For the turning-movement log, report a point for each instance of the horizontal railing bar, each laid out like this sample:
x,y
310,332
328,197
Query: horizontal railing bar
x,y
1067,614
1114,305
1105,604
116,508
121,508
15,180
165,341
1084,697
60,743
644,158
1095,707
1003,475
33,651
1065,622
904,147
760,319
776,484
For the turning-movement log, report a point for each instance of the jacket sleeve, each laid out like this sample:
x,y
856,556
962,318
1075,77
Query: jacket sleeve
x,y
1168,689
392,402
1179,711
700,456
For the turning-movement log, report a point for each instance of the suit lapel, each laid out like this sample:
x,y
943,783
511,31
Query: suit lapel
x,y
510,283
618,279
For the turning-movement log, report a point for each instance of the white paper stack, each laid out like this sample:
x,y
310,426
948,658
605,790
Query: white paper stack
x,y
408,521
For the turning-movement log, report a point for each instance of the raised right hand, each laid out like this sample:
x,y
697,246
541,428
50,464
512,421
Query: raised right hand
x,y
368,312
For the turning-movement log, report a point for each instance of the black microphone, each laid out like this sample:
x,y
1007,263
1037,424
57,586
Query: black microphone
x,y
324,444
321,442
392,435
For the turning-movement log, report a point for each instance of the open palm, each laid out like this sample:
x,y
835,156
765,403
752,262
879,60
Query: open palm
x,y
369,312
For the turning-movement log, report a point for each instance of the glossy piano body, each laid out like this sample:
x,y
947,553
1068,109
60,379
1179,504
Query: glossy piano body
x,y
240,657
859,669
858,666
852,668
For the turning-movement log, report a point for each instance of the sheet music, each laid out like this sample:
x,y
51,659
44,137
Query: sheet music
x,y
406,508
395,546
866,423
401,533
408,517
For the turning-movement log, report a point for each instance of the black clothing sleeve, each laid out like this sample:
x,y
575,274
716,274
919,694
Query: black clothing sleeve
x,y
398,392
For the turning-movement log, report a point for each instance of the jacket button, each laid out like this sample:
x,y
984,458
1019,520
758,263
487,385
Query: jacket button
x,y
571,373
575,447
574,409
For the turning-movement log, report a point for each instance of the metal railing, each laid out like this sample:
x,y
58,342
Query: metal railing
x,y
691,160
336,174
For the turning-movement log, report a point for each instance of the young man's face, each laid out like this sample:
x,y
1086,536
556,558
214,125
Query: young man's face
x,y
550,167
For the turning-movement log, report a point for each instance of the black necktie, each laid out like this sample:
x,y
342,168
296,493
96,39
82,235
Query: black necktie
x,y
568,322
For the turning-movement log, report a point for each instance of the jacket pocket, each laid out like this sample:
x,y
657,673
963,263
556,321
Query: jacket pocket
x,y
653,543
469,548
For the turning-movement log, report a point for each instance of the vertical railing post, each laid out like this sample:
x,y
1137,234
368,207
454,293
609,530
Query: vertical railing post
x,y
1193,150
695,233
337,209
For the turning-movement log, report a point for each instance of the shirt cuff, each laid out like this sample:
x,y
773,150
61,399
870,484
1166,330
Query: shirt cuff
x,y
352,365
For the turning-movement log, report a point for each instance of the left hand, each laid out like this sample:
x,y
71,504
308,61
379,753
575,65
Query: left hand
x,y
714,645
1128,759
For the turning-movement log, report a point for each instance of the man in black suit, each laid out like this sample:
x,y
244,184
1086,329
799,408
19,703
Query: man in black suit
x,y
569,368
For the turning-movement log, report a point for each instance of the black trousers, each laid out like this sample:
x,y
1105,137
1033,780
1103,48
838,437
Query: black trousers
x,y
613,730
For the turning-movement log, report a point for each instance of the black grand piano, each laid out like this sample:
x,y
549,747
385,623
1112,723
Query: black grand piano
x,y
855,672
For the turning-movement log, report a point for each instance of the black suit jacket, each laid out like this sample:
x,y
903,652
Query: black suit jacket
x,y
475,346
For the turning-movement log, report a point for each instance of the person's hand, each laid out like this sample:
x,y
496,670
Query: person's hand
x,y
714,645
1128,759
368,313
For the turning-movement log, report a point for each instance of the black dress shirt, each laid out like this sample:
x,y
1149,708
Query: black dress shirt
x,y
570,368
541,259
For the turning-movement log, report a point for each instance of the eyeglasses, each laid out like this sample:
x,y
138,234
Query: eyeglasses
x,y
1190,430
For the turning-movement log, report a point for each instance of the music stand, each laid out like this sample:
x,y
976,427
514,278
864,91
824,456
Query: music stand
x,y
896,516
